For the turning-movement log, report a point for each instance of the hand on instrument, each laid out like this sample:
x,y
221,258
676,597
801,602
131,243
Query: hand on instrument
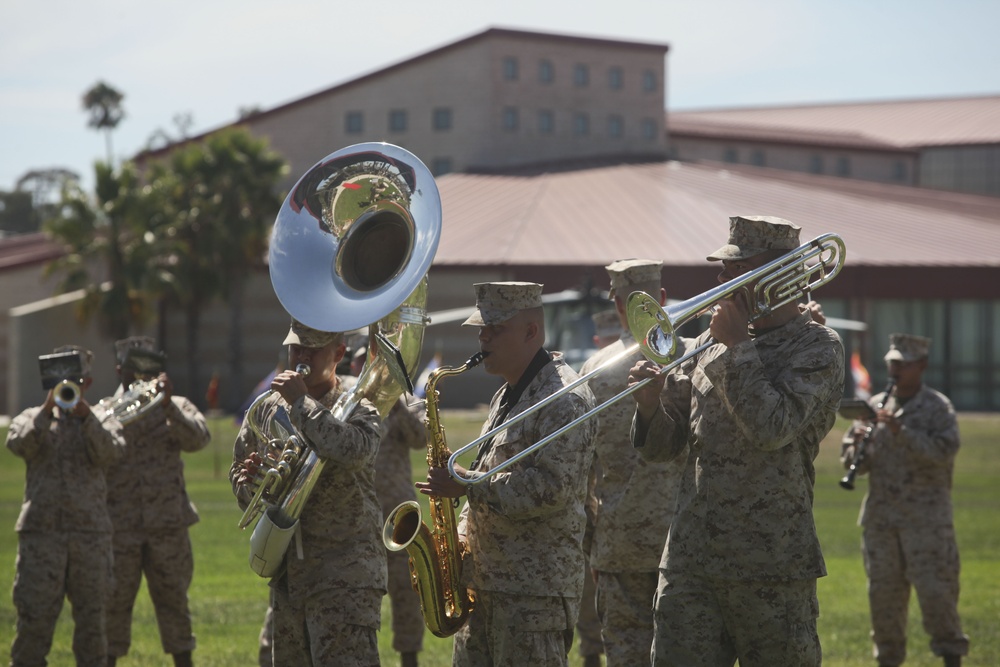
x,y
886,417
815,311
729,321
441,483
251,474
647,399
165,386
290,385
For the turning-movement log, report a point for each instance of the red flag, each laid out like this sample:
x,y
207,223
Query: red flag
x,y
862,381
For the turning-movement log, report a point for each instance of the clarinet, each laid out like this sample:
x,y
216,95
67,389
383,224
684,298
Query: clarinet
x,y
859,453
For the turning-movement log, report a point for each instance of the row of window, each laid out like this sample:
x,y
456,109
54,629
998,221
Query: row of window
x,y
817,164
546,73
441,119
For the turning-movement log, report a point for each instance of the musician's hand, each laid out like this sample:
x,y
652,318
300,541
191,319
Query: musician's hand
x,y
290,385
886,417
815,311
81,409
50,403
165,386
729,321
441,483
647,399
250,474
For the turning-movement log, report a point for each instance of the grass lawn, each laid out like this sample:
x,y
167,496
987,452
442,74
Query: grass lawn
x,y
228,600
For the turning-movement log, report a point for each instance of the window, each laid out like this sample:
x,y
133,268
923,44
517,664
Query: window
x,y
615,78
441,166
442,118
510,119
510,68
648,129
581,75
648,81
843,166
397,120
546,122
581,124
899,171
757,157
546,73
616,126
816,164
354,122
731,155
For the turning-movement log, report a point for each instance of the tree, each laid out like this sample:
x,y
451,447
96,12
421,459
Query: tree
x,y
108,239
224,199
104,104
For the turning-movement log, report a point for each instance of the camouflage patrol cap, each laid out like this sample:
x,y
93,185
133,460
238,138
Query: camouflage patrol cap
x,y
625,273
133,342
907,347
606,323
498,302
86,356
300,334
751,235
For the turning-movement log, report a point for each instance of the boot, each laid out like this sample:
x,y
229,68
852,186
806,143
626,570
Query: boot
x,y
409,659
952,661
112,660
592,660
182,659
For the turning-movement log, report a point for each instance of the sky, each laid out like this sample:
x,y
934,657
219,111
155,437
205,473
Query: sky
x,y
207,59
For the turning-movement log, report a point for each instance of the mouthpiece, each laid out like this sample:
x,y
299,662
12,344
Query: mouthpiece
x,y
302,369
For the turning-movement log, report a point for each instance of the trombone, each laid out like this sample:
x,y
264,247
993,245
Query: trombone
x,y
767,288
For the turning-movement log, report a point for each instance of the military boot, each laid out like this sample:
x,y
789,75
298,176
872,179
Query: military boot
x,y
592,660
182,659
409,659
952,661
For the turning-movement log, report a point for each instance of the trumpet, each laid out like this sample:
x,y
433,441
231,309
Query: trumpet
x,y
767,288
860,451
66,395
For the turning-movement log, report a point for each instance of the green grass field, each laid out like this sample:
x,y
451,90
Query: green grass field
x,y
228,600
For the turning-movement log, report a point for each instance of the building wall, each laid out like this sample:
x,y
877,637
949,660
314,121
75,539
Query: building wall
x,y
883,167
973,169
469,81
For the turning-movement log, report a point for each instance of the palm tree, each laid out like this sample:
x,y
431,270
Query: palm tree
x,y
104,104
224,200
106,239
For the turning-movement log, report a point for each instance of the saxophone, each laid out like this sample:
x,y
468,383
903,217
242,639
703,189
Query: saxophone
x,y
436,552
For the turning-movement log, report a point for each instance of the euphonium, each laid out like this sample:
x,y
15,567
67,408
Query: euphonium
x,y
140,397
436,552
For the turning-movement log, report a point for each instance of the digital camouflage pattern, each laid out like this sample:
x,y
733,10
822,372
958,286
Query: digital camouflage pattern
x,y
753,416
751,235
635,506
64,532
498,302
324,630
909,536
525,526
342,573
635,498
151,513
402,432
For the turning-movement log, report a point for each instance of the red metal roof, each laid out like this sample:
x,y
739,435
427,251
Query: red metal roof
x,y
905,124
679,212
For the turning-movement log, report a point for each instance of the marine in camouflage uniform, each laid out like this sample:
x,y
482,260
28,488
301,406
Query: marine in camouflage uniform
x,y
64,532
403,431
525,526
149,507
327,598
909,534
636,498
738,574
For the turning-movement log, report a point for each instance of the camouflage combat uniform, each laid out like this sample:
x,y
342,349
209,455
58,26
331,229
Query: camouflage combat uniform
x,y
909,535
327,600
636,505
150,513
525,531
403,430
738,574
64,532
